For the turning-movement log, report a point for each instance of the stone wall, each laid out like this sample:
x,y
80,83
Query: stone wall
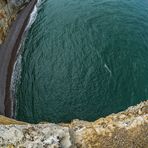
x,y
127,129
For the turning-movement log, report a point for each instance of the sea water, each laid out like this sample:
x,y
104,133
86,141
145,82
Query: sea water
x,y
83,59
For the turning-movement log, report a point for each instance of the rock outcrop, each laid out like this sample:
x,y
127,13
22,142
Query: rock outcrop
x,y
8,13
127,129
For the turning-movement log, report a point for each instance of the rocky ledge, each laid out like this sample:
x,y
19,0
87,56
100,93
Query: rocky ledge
x,y
8,13
127,129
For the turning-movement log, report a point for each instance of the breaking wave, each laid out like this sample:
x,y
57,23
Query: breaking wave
x,y
17,68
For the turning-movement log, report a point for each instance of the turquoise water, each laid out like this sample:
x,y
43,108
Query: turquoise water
x,y
84,59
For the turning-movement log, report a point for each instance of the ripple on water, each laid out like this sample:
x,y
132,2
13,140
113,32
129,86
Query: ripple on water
x,y
84,59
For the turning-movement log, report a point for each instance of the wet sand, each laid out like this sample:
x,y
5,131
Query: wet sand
x,y
8,52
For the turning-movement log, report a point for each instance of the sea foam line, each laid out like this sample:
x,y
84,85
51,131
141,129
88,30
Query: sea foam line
x,y
17,68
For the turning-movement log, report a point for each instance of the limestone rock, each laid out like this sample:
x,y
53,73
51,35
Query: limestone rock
x,y
35,136
127,129
8,13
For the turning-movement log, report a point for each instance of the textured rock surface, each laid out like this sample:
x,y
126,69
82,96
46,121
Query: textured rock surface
x,y
8,12
42,135
18,3
127,129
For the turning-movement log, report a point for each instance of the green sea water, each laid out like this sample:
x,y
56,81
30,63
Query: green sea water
x,y
84,59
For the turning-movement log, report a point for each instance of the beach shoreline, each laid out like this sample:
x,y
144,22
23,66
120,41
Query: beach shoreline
x,y
8,53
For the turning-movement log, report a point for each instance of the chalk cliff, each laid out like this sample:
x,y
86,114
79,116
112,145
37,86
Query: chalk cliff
x,y
8,12
127,129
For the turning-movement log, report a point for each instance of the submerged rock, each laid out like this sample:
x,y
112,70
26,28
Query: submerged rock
x,y
126,129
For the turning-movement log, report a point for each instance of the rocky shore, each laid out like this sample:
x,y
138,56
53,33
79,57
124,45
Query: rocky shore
x,y
127,129
8,12
14,16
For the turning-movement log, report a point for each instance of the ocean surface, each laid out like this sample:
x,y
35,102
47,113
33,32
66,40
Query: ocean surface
x,y
83,59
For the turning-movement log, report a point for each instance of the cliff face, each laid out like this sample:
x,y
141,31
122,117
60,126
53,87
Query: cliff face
x,y
8,12
127,129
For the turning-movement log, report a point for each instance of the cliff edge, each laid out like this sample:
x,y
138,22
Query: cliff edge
x,y
127,129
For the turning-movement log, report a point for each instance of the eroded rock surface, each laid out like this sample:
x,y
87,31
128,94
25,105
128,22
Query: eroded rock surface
x,y
42,135
8,13
127,129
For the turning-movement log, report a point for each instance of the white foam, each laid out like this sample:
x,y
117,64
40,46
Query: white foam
x,y
34,14
107,68
16,75
17,68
